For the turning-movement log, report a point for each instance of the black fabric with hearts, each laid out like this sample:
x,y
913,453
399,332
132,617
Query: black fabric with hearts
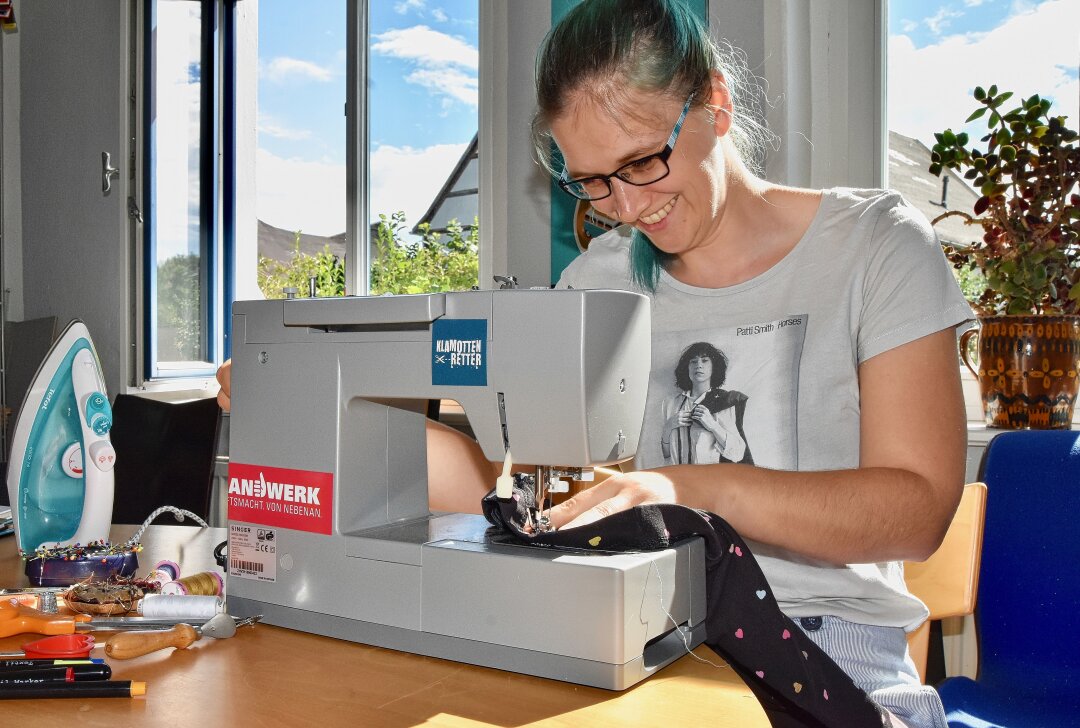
x,y
795,681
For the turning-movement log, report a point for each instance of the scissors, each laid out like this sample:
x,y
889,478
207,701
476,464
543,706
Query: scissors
x,y
17,618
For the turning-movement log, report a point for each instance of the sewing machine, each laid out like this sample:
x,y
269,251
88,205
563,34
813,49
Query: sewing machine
x,y
329,527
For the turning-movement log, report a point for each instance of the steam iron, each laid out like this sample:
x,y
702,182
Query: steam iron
x,y
60,473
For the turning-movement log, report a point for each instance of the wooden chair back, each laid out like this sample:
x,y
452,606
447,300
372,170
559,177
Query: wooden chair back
x,y
948,581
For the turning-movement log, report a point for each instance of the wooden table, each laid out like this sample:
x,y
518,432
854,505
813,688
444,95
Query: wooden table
x,y
270,676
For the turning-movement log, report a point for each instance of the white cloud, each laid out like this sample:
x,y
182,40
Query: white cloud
x,y
405,178
402,178
402,8
283,68
908,26
941,20
426,47
440,15
973,3
448,81
270,127
930,88
295,194
444,65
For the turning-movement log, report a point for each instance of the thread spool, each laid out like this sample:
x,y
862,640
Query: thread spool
x,y
159,578
181,606
164,572
205,582
170,567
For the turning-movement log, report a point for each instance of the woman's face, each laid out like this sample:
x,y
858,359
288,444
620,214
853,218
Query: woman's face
x,y
679,212
700,369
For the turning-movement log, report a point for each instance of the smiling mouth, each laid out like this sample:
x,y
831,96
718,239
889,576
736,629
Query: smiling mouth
x,y
661,213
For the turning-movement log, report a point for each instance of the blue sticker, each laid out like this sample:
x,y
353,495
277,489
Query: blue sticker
x,y
459,352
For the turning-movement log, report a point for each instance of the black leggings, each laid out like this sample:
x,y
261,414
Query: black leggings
x,y
795,681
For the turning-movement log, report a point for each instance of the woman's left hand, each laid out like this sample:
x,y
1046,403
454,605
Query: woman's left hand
x,y
617,493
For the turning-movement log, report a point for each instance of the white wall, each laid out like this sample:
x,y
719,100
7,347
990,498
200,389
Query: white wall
x,y
73,90
247,232
515,196
10,186
825,63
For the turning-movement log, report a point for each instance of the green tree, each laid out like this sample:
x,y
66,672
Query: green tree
x,y
434,263
179,308
327,269
437,262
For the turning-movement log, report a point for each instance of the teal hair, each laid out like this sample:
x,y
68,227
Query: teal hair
x,y
605,49
646,261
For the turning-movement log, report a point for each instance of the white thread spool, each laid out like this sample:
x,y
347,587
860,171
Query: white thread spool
x,y
181,606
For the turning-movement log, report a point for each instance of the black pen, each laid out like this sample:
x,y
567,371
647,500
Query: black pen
x,y
77,672
33,677
93,689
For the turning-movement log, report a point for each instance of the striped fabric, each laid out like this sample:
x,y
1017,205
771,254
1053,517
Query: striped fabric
x,y
877,660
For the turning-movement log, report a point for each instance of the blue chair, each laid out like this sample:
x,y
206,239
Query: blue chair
x,y
1028,608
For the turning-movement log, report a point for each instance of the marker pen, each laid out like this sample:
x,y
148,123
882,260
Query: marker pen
x,y
37,677
6,665
76,672
92,689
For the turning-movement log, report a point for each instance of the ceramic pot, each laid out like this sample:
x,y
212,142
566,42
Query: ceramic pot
x,y
1028,369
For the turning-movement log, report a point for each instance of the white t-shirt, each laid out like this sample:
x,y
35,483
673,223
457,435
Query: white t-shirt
x,y
867,276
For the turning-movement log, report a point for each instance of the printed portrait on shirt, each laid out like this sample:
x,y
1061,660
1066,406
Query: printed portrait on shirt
x,y
725,395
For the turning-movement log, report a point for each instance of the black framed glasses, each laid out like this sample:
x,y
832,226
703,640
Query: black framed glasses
x,y
639,172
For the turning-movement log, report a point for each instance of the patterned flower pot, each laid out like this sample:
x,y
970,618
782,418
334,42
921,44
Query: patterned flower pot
x,y
1028,369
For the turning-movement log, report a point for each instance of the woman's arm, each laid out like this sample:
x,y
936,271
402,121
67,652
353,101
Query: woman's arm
x,y
458,473
896,505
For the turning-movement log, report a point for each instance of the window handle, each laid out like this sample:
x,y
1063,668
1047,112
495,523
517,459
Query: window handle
x,y
107,172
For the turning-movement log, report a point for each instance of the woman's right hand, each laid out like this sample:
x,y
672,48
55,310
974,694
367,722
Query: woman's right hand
x,y
224,376
680,419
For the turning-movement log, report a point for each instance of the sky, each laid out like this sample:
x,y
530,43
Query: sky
x,y
423,92
940,51
423,64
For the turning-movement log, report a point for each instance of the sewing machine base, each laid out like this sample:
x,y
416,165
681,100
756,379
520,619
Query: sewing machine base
x,y
526,662
603,620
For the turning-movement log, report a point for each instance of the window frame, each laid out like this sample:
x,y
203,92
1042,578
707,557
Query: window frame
x,y
217,196
226,245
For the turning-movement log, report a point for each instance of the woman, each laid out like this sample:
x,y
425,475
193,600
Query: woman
x,y
634,95
702,422
649,126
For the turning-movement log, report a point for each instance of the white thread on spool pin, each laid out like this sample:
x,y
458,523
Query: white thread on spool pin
x,y
181,606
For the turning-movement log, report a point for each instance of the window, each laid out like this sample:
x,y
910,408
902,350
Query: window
x,y
415,143
187,184
300,157
938,52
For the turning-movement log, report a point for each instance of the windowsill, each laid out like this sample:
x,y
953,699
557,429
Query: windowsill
x,y
177,389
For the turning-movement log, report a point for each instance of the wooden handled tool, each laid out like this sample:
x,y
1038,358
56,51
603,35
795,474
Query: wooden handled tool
x,y
125,645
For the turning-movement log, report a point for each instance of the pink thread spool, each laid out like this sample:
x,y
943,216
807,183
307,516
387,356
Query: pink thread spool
x,y
164,572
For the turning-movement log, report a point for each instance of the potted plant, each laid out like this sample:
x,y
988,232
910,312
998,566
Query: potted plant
x,y
1028,214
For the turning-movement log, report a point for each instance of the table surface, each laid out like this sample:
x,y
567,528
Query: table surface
x,y
271,676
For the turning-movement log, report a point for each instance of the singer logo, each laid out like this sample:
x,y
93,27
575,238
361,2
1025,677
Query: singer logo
x,y
297,499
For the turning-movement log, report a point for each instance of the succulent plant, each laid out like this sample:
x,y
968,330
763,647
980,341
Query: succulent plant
x,y
1028,209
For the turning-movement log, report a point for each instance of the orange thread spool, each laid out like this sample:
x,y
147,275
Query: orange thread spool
x,y
208,583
